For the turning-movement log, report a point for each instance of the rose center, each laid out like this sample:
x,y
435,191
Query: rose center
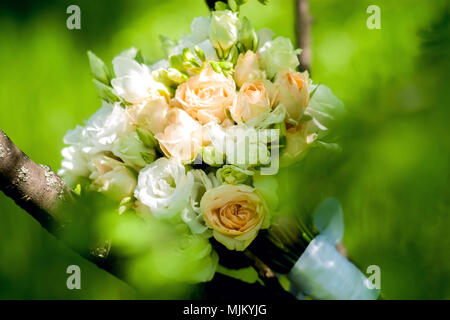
x,y
237,216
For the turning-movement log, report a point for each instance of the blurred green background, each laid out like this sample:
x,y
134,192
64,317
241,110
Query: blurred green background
x,y
392,176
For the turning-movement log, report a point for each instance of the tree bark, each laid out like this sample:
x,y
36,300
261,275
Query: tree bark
x,y
44,195
35,188
303,32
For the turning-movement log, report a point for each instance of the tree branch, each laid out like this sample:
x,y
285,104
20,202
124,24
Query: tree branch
x,y
303,32
45,196
35,188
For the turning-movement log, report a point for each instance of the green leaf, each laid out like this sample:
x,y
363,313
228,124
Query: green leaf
x,y
234,54
77,189
215,66
248,274
148,156
176,62
221,6
99,69
233,5
105,92
188,55
132,171
226,65
200,53
139,57
147,138
264,2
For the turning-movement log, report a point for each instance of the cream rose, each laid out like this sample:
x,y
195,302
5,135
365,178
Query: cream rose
x,y
252,105
247,68
150,115
293,94
182,137
235,213
207,95
112,178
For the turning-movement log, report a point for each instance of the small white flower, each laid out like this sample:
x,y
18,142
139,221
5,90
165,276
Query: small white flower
x,y
165,187
199,29
160,64
198,37
134,82
277,54
103,128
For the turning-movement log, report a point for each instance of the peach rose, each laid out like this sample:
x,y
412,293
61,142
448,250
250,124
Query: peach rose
x,y
293,93
298,141
182,136
252,103
235,213
247,68
207,95
150,115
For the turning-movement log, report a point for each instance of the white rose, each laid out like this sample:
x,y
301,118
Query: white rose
x,y
223,30
134,82
132,151
277,54
165,187
101,131
264,35
103,128
73,166
192,215
112,178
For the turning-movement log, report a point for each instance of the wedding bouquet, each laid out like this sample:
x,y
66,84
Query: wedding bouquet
x,y
196,140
